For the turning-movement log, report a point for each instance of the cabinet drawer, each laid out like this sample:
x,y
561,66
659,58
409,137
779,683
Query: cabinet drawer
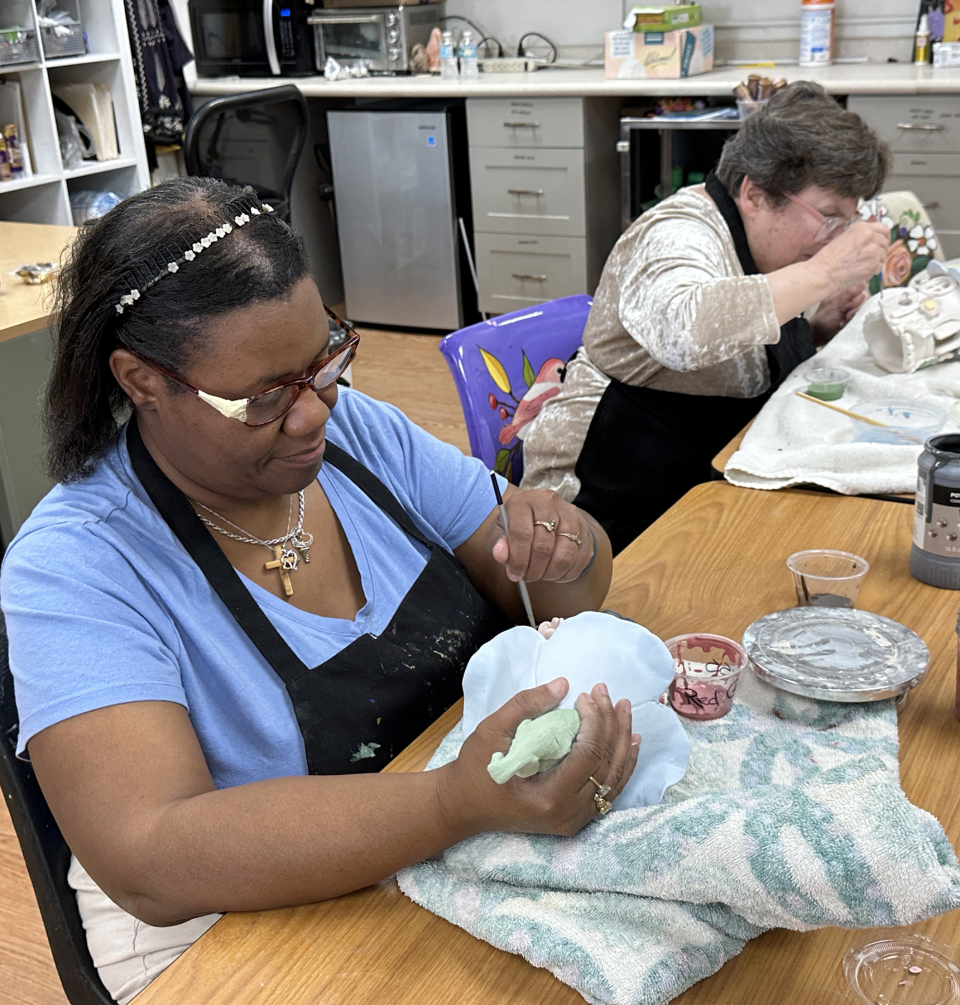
x,y
525,122
917,122
924,164
528,191
940,197
518,271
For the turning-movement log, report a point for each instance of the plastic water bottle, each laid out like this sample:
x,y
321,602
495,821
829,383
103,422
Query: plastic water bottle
x,y
448,57
469,70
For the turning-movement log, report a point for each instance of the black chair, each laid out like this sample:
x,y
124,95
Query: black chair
x,y
254,138
46,854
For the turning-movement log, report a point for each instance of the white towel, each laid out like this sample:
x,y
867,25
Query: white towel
x,y
793,441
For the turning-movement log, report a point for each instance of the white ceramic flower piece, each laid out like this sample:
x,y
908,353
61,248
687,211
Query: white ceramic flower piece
x,y
589,649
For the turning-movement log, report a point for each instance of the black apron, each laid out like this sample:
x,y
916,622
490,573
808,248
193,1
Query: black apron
x,y
358,710
646,448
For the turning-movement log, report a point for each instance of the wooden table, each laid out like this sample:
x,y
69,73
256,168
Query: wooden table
x,y
714,563
25,352
23,308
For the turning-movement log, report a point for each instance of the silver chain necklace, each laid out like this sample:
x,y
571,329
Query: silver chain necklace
x,y
287,550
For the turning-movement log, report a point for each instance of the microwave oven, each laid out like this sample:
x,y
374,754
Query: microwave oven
x,y
252,38
379,38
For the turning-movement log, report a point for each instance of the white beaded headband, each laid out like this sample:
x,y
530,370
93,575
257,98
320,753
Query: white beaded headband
x,y
248,210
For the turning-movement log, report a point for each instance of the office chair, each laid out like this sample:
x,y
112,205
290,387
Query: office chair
x,y
46,854
507,368
254,138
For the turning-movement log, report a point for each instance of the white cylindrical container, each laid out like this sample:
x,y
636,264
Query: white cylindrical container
x,y
816,33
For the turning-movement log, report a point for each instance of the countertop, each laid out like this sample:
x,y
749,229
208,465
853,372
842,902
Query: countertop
x,y
847,78
24,308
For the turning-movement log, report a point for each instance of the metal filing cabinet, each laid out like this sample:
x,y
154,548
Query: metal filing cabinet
x,y
544,181
924,134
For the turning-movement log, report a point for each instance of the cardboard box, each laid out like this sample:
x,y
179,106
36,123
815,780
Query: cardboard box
x,y
637,55
663,18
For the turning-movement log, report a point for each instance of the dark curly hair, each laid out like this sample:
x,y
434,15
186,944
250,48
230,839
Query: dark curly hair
x,y
261,261
803,137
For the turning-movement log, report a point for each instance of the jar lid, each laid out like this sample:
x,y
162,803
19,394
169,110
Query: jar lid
x,y
909,969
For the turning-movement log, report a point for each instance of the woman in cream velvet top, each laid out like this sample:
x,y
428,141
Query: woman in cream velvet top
x,y
699,313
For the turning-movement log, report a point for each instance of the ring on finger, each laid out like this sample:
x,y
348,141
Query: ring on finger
x,y
577,540
602,790
550,526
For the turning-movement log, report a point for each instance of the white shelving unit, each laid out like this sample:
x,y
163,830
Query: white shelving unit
x,y
44,196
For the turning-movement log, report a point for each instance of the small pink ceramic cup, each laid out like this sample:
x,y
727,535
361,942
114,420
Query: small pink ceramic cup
x,y
706,673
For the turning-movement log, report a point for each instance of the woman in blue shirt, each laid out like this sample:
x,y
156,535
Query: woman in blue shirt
x,y
230,614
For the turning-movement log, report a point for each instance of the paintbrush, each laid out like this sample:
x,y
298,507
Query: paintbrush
x,y
521,585
902,433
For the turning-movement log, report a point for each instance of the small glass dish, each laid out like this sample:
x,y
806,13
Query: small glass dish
x,y
908,969
909,421
825,382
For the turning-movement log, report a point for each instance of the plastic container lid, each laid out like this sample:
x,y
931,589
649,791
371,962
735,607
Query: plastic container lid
x,y
911,421
905,970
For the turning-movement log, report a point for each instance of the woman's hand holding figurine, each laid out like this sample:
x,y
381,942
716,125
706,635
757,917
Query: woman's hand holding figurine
x,y
559,801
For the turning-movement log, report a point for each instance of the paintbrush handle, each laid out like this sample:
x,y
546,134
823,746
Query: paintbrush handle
x,y
521,585
842,411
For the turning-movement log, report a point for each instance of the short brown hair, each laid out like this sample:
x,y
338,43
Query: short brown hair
x,y
803,137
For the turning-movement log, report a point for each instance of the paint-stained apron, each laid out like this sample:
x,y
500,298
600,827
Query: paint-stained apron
x,y
360,708
646,448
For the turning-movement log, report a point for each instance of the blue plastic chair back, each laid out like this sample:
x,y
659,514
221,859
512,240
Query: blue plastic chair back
x,y
506,369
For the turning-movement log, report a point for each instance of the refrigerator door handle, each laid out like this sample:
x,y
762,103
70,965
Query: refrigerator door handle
x,y
270,38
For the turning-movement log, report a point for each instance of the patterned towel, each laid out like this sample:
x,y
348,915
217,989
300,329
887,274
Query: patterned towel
x,y
790,815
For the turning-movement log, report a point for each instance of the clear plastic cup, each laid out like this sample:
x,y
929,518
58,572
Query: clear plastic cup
x,y
826,383
706,671
827,578
749,107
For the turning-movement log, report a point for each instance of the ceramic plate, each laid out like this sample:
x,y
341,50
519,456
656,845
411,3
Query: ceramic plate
x,y
836,654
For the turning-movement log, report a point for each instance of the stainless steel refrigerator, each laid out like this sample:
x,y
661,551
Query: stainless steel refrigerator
x,y
395,195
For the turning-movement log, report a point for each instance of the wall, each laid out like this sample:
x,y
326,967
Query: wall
x,y
745,28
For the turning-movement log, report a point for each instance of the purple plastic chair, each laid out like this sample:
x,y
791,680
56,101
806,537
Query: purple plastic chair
x,y
505,370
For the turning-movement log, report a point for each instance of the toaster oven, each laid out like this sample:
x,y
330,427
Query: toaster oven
x,y
379,38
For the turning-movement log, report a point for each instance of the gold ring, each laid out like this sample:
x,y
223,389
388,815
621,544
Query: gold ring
x,y
573,537
550,526
602,790
604,806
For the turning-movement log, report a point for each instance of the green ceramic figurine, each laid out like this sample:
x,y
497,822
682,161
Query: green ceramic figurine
x,y
539,744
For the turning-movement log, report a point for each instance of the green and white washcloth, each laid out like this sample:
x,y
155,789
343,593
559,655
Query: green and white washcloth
x,y
790,815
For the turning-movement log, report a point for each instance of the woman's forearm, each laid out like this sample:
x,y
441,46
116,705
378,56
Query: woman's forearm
x,y
797,287
131,791
282,842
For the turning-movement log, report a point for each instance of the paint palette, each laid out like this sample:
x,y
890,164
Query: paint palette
x,y
910,970
836,654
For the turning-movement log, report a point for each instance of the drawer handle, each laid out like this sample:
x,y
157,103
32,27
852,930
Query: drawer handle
x,y
525,191
527,275
930,205
923,127
530,125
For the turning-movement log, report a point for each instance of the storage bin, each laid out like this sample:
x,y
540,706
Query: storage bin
x,y
18,45
72,44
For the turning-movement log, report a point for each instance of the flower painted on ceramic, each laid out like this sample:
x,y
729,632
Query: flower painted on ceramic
x,y
922,240
896,269
876,212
